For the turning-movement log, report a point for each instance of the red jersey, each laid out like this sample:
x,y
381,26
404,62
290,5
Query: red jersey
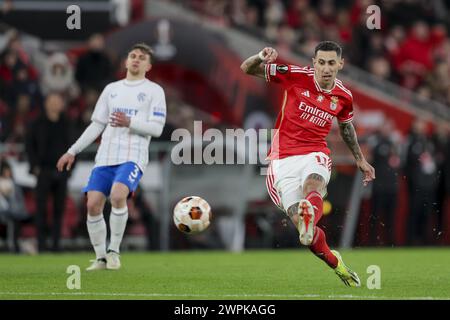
x,y
307,112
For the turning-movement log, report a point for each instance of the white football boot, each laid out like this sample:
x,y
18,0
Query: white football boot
x,y
305,222
112,260
97,264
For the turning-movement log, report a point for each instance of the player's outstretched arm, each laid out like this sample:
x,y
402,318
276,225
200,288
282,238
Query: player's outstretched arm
x,y
254,65
89,135
348,134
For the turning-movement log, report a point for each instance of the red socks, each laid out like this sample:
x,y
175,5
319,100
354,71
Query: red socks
x,y
319,244
320,248
317,202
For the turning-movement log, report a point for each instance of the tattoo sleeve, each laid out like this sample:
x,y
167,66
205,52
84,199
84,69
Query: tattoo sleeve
x,y
348,134
253,66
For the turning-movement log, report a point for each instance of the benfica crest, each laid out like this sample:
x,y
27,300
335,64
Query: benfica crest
x,y
333,103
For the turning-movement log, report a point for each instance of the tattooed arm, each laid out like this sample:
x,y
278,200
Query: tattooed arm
x,y
255,64
348,134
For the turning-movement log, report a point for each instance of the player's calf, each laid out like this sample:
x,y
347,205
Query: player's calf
x,y
292,212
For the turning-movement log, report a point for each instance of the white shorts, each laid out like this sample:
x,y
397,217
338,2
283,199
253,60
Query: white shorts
x,y
285,177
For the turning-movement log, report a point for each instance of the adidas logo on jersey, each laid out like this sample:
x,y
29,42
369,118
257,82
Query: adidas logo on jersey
x,y
306,93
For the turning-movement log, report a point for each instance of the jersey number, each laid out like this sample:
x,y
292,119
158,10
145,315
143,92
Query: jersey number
x,y
324,161
133,175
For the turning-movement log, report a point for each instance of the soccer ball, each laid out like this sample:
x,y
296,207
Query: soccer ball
x,y
192,215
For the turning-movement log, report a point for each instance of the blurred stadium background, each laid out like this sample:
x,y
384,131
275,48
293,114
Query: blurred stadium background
x,y
399,76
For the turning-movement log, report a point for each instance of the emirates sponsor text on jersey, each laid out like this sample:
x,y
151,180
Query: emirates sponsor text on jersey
x,y
315,115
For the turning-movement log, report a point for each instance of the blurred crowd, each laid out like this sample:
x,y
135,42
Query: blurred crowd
x,y
411,48
47,96
29,75
415,165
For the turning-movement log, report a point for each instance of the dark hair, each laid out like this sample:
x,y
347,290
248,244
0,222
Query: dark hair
x,y
329,46
144,48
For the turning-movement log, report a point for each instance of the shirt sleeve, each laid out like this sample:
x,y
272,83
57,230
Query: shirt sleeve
x,y
101,110
89,135
158,107
281,73
346,114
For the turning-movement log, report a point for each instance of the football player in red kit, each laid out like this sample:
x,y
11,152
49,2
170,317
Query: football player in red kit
x,y
300,163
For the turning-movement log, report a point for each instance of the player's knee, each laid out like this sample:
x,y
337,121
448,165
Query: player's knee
x,y
308,188
314,182
94,207
118,200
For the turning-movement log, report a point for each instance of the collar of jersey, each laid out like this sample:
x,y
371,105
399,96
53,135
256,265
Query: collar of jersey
x,y
133,83
320,88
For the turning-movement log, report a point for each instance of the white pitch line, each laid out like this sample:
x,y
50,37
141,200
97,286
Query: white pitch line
x,y
125,294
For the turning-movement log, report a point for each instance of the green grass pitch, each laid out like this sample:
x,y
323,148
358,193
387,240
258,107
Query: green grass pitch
x,y
413,273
